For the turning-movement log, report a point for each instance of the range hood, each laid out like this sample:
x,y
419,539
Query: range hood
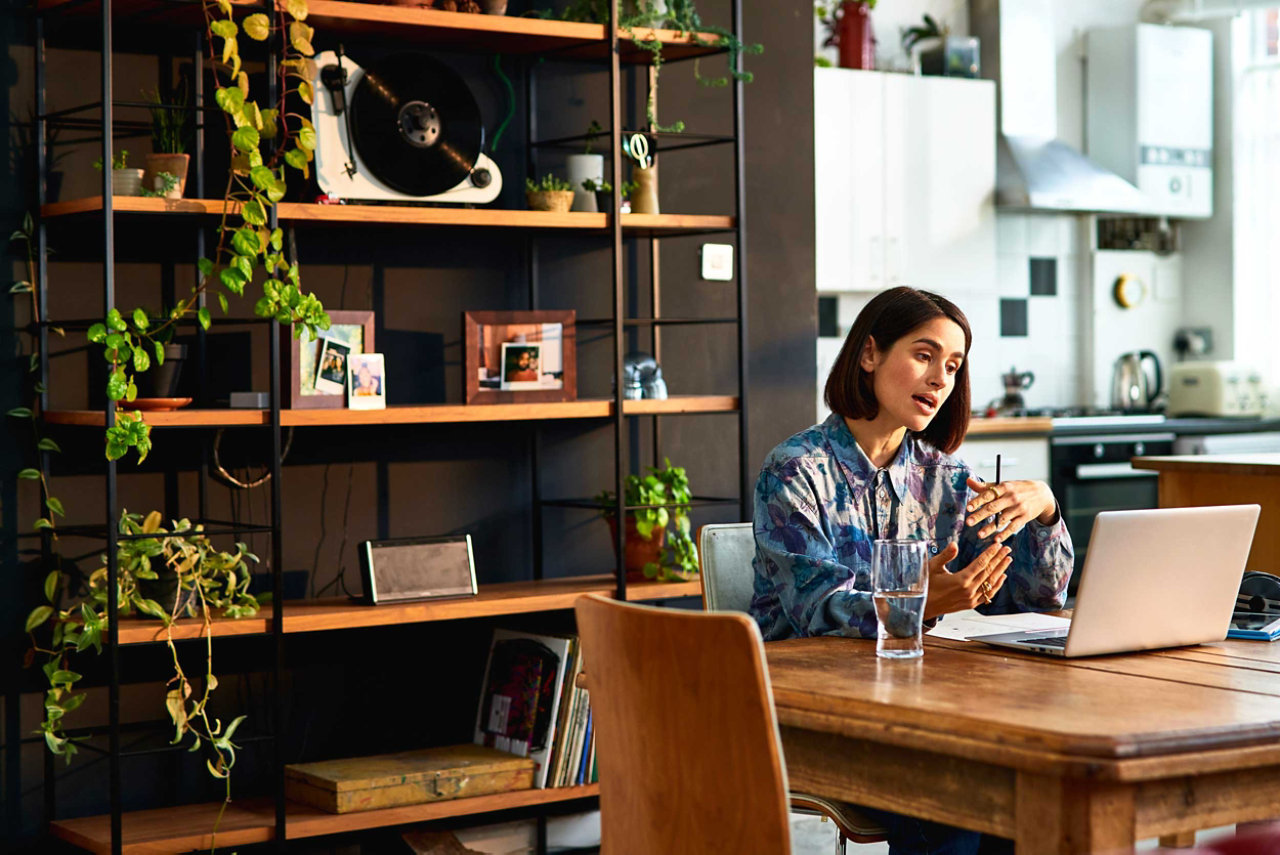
x,y
1035,170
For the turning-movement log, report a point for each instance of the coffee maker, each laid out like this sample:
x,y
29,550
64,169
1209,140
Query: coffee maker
x,y
1014,383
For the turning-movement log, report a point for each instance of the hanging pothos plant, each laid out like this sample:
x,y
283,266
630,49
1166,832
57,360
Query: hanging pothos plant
x,y
678,15
265,142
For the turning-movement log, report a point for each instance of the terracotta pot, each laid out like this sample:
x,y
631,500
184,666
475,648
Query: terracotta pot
x,y
856,40
558,201
174,164
637,552
494,7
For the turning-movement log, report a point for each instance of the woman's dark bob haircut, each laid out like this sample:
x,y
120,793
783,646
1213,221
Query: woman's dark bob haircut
x,y
888,317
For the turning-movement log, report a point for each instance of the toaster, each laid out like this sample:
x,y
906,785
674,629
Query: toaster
x,y
1216,389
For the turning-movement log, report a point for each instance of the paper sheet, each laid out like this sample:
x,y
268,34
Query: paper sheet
x,y
961,625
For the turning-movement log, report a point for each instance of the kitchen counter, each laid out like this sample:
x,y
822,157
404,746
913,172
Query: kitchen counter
x,y
1226,479
1037,425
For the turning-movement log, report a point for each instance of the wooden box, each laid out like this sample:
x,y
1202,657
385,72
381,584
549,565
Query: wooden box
x,y
407,778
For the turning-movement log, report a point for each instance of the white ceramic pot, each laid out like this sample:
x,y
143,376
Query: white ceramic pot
x,y
581,167
126,182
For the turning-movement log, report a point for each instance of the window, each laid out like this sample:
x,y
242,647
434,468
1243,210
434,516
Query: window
x,y
1257,177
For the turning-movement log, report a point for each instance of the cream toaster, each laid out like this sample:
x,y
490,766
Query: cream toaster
x,y
1216,389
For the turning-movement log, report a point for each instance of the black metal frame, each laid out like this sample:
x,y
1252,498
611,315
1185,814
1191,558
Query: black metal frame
x,y
108,128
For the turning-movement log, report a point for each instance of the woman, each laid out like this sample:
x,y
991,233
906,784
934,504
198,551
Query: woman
x,y
881,467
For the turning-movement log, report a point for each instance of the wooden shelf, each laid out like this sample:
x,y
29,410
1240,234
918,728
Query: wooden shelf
x,y
187,827
340,613
591,408
300,212
430,28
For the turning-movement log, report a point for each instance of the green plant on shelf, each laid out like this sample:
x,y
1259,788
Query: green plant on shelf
x,y
592,186
667,490
593,135
549,183
118,161
168,182
169,574
170,119
680,16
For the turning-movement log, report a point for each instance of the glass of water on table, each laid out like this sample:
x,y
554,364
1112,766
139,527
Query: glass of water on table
x,y
899,584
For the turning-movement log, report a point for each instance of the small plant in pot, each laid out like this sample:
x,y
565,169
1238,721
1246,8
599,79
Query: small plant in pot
x,y
170,121
603,193
125,180
585,167
659,543
551,193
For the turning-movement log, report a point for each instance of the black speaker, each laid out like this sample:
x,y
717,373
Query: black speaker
x,y
417,568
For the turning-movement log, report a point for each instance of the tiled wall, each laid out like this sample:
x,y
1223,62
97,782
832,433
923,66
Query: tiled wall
x,y
1012,325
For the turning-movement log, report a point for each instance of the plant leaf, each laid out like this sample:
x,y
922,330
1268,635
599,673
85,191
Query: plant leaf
x,y
231,100
55,506
140,319
203,316
222,301
97,333
304,91
20,412
307,138
141,360
254,213
38,615
115,321
296,8
51,585
257,27
29,474
47,444
159,352
225,28
300,37
245,138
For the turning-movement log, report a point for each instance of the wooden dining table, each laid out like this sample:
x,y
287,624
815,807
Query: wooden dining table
x,y
1061,755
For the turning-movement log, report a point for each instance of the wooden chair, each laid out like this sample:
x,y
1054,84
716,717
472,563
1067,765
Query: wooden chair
x,y
728,583
686,736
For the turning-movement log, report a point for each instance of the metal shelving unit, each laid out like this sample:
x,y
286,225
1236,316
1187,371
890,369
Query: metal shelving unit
x,y
263,820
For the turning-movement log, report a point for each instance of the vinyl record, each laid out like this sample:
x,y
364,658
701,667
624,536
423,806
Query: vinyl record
x,y
415,124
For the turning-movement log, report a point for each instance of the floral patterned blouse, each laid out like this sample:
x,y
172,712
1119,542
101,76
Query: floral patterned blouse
x,y
820,503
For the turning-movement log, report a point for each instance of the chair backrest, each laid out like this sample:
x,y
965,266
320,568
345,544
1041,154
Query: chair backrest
x,y
728,579
687,741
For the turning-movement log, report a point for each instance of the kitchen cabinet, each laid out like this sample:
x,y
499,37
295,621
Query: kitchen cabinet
x,y
904,189
1022,458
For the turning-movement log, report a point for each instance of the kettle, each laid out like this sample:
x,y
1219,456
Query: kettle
x,y
1131,390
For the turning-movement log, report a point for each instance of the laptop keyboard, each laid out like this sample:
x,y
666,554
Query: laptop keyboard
x,y
1051,641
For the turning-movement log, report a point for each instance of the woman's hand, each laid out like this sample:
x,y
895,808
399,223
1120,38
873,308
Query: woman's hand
x,y
967,588
1016,502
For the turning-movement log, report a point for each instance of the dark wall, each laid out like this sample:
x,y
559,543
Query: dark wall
x,y
344,485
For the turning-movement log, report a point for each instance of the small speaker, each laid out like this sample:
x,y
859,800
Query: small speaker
x,y
417,568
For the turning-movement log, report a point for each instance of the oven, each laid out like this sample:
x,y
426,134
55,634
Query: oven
x,y
1090,473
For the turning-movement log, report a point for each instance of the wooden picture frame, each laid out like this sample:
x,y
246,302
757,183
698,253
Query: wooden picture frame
x,y
483,334
297,358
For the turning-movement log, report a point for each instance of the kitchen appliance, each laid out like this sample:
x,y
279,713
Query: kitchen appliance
x,y
1149,102
1091,472
1216,389
1014,383
1132,391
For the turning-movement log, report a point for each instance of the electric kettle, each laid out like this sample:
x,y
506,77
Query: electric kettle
x,y
1132,391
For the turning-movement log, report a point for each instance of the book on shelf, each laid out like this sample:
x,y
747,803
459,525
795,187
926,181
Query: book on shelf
x,y
586,748
566,710
521,694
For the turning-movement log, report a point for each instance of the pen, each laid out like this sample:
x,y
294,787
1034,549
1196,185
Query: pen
x,y
997,484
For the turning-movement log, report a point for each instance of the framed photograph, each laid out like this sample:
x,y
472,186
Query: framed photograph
x,y
368,382
519,357
520,366
300,359
331,366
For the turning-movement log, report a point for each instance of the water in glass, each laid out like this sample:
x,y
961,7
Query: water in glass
x,y
899,578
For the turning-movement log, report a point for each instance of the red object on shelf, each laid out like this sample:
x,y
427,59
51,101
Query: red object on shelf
x,y
854,36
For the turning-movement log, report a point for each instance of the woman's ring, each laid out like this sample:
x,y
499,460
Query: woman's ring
x,y
986,588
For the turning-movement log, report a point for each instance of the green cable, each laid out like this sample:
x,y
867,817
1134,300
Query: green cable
x,y
511,101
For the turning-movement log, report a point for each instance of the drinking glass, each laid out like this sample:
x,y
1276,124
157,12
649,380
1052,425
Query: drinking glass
x,y
899,585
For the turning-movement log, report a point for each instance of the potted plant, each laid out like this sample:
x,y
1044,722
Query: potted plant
x,y
678,15
168,575
584,167
125,180
602,192
169,128
848,24
925,44
659,542
552,193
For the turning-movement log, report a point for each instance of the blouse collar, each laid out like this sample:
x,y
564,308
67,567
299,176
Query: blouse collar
x,y
858,466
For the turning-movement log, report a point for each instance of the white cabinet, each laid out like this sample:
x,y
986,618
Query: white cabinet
x,y
1024,458
904,182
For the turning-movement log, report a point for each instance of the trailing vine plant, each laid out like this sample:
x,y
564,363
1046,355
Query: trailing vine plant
x,y
264,141
679,15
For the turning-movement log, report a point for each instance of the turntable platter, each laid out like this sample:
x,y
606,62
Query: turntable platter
x,y
415,124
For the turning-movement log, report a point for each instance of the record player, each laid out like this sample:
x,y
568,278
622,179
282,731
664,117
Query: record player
x,y
404,129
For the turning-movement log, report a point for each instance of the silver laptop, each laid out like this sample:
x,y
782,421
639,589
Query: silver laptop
x,y
1156,578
